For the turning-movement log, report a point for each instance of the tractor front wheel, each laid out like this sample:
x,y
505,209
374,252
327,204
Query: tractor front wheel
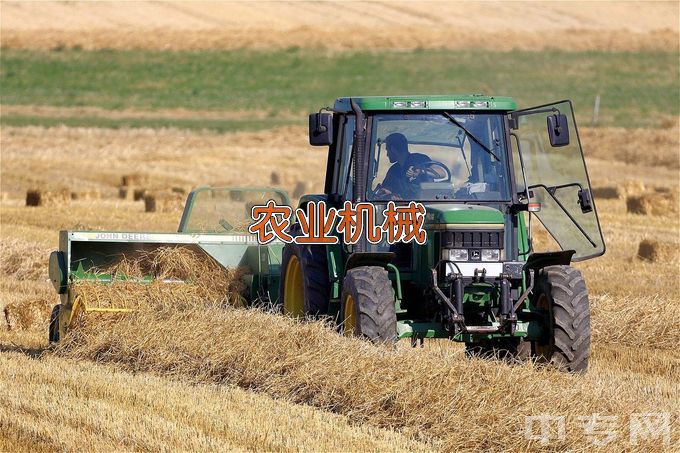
x,y
368,305
561,292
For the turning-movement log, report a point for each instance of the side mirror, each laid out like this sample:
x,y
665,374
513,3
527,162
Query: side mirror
x,y
320,129
558,129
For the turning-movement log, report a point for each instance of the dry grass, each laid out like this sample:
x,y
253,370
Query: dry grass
x,y
181,278
635,302
56,405
101,157
407,25
337,38
23,260
352,377
640,147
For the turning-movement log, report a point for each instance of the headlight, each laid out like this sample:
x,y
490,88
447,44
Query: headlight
x,y
455,254
491,255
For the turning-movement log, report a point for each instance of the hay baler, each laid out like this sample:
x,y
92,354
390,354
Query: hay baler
x,y
214,224
483,170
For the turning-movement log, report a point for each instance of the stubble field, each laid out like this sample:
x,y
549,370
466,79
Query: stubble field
x,y
207,379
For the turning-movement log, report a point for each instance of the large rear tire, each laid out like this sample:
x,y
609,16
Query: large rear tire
x,y
304,288
561,291
368,305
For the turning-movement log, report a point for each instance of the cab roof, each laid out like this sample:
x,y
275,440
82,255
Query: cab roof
x,y
429,102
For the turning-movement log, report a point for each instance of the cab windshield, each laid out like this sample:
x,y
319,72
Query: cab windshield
x,y
438,157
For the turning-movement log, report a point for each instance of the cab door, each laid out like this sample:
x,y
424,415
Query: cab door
x,y
556,177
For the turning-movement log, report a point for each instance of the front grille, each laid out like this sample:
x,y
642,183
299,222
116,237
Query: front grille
x,y
492,239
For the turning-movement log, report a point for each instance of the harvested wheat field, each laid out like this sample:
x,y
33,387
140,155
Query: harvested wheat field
x,y
616,26
192,372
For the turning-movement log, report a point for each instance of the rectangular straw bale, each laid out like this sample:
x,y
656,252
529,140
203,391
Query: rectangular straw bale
x,y
126,193
33,197
24,315
655,203
134,179
38,197
163,202
657,251
182,190
139,194
606,192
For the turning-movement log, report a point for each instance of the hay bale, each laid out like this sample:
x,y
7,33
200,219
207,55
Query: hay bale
x,y
275,178
24,315
138,194
606,193
33,197
126,193
655,203
656,251
163,202
182,190
134,179
300,189
37,197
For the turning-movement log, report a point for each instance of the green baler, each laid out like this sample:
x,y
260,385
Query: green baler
x,y
483,170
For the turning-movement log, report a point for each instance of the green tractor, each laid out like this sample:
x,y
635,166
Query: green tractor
x,y
481,168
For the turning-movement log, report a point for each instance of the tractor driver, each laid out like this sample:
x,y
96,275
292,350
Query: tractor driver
x,y
406,171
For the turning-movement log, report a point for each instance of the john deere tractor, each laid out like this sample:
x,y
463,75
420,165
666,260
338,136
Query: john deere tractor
x,y
481,168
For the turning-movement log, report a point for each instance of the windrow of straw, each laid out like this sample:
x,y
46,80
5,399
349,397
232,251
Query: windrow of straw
x,y
636,321
424,393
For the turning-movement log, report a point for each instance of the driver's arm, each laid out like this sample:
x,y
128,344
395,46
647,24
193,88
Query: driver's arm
x,y
419,167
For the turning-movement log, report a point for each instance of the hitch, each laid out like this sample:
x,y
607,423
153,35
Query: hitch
x,y
454,302
507,315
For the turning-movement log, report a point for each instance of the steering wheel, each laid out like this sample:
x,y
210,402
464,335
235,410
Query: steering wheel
x,y
427,169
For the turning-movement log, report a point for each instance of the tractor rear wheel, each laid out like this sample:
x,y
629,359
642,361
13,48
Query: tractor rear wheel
x,y
368,305
304,288
561,291
54,324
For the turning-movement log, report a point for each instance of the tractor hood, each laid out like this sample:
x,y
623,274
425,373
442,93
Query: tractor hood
x,y
447,214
